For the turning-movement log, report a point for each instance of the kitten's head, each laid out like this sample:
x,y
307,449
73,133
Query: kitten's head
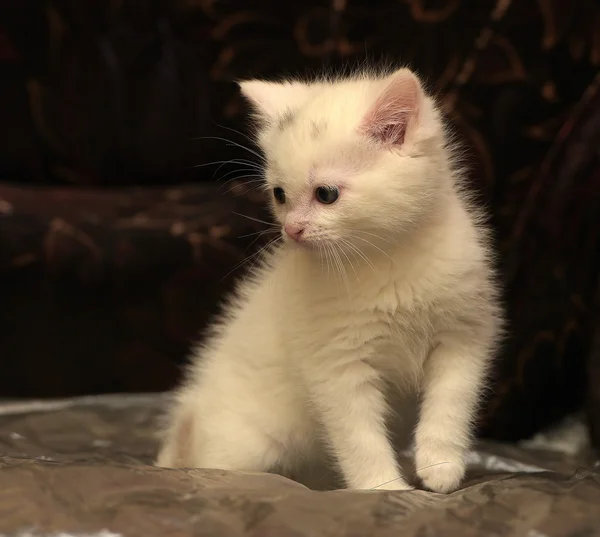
x,y
350,162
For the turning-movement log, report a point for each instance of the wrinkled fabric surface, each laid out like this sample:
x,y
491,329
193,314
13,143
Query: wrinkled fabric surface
x,y
83,467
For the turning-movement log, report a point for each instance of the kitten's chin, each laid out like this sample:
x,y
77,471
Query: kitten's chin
x,y
300,245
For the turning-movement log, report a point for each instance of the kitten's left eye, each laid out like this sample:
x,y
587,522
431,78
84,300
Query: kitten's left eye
x,y
327,194
279,194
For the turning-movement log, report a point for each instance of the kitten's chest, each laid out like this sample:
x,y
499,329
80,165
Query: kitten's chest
x,y
380,324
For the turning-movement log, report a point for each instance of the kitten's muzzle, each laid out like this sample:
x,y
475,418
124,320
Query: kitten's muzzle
x,y
294,232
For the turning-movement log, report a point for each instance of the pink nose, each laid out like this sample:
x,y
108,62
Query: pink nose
x,y
294,232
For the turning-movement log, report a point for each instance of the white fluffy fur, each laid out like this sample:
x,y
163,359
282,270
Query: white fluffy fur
x,y
391,292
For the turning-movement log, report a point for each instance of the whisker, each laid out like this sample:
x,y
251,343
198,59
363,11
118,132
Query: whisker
x,y
235,131
250,257
401,478
258,237
362,255
247,175
257,258
251,167
241,170
330,267
372,235
341,268
244,174
354,251
323,249
245,191
258,182
320,250
350,263
387,482
431,465
241,146
376,247
274,230
259,186
254,219
223,162
248,162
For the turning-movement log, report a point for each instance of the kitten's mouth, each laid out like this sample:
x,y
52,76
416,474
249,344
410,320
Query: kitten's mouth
x,y
314,246
300,241
300,238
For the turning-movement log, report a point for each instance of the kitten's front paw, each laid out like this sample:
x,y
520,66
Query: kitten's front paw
x,y
440,469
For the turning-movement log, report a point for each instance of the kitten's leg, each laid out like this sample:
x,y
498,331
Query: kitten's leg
x,y
249,429
220,440
352,409
454,375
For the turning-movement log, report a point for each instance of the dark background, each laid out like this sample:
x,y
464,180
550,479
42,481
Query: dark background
x,y
117,240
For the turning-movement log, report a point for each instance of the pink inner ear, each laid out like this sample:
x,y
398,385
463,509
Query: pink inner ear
x,y
395,111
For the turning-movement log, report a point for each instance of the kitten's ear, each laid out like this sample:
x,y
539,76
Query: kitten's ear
x,y
271,99
395,112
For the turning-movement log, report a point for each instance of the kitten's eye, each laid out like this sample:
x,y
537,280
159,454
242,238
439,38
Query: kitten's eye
x,y
327,194
279,195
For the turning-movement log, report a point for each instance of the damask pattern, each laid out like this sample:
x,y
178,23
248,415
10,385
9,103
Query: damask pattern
x,y
111,93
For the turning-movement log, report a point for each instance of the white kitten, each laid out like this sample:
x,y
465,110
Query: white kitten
x,y
383,283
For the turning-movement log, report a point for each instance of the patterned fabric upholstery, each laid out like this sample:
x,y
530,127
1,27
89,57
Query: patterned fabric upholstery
x,y
101,282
